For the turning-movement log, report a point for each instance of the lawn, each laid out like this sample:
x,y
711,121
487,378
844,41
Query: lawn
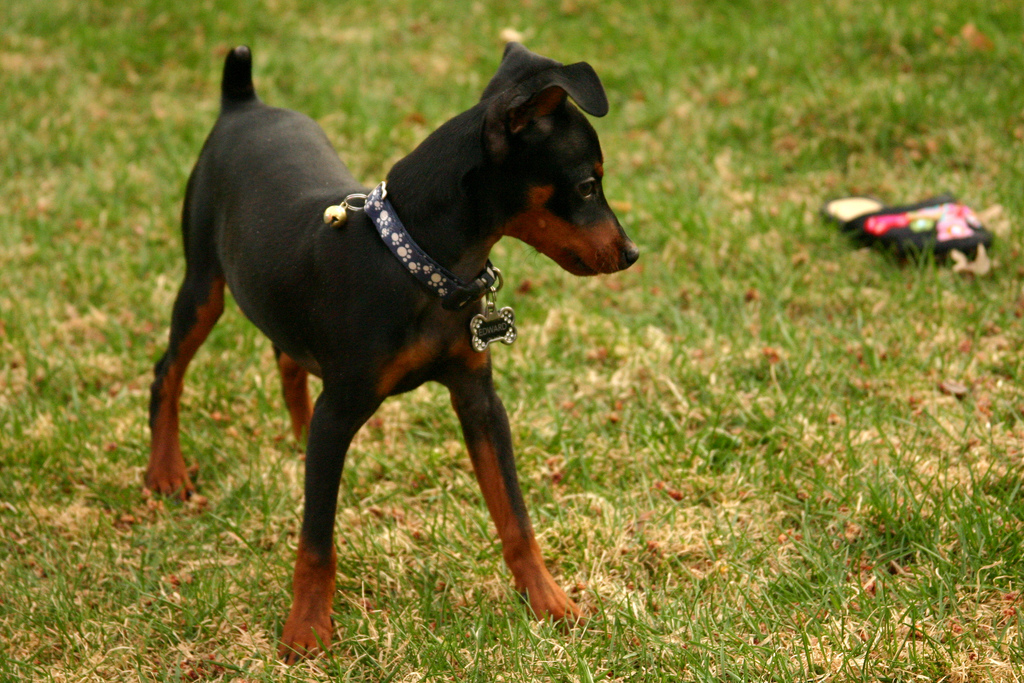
x,y
761,454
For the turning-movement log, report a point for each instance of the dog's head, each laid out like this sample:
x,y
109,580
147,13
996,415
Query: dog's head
x,y
547,160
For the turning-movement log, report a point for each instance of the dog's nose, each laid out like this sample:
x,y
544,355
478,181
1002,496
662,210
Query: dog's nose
x,y
629,254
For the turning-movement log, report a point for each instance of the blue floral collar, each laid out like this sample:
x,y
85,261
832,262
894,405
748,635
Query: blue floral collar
x,y
453,292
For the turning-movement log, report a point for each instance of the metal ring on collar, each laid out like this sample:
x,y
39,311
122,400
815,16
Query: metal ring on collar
x,y
499,281
359,198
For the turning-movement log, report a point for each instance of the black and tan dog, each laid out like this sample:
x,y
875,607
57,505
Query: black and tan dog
x,y
338,302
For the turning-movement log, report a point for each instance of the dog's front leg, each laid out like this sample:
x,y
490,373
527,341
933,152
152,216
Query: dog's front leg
x,y
336,418
489,440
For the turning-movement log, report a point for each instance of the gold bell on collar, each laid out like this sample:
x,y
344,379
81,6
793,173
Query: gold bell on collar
x,y
335,216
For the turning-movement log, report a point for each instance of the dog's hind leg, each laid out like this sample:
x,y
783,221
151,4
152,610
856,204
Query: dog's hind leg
x,y
199,304
295,387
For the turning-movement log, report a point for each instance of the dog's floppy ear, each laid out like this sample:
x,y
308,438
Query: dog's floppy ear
x,y
521,68
528,87
579,81
538,106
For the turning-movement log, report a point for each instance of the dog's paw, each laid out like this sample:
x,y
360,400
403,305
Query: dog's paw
x,y
303,637
176,485
549,602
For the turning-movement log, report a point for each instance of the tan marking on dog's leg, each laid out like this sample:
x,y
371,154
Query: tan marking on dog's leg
x,y
519,546
166,472
295,386
408,360
309,622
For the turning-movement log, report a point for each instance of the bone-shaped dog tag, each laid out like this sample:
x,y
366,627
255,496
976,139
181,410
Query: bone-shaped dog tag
x,y
493,326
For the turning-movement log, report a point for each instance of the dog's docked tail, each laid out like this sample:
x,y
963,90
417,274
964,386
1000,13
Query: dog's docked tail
x,y
236,87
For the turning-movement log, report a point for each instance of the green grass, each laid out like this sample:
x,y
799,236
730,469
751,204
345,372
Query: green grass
x,y
736,454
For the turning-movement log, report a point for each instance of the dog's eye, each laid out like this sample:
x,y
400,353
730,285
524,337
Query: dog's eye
x,y
587,188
